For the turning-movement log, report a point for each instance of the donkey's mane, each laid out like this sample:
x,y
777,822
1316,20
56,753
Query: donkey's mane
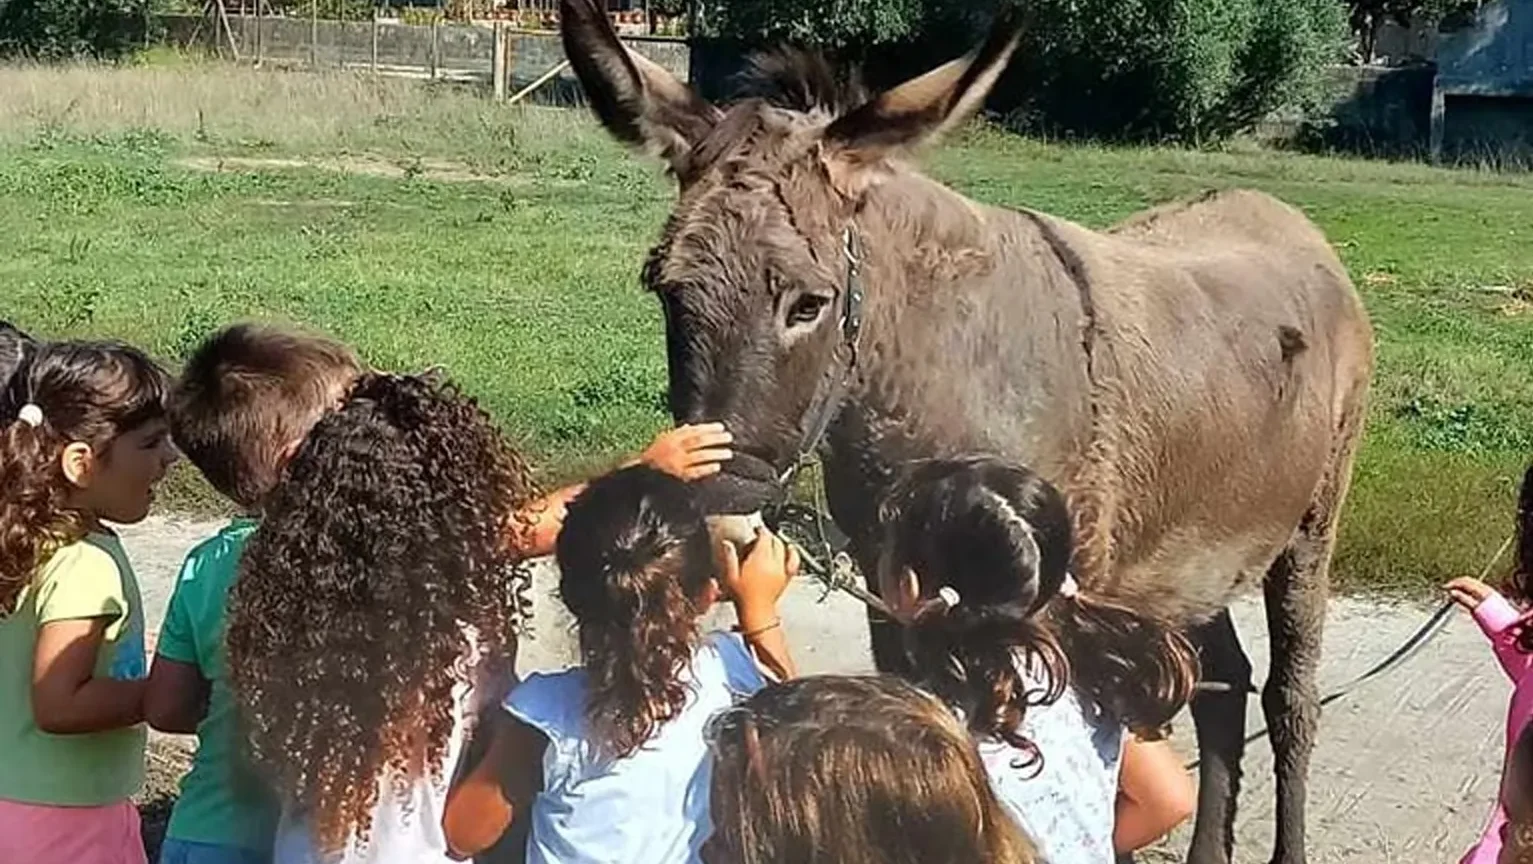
x,y
800,80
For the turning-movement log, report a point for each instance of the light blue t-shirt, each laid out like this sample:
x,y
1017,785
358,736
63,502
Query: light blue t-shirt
x,y
650,807
1068,805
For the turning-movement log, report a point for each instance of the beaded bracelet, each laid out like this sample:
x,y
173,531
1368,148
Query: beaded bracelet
x,y
759,630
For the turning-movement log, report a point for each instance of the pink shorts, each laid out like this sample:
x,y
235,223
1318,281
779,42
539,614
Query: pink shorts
x,y
46,834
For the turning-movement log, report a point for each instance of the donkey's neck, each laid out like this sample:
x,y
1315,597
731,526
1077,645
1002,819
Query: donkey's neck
x,y
917,222
972,338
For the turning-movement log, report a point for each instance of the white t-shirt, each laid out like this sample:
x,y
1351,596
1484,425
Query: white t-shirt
x,y
405,829
1068,806
650,807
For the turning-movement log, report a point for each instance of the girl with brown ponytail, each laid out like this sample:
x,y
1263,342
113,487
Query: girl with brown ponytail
x,y
83,442
1066,693
608,760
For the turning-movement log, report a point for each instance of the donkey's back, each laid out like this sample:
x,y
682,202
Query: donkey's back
x,y
1231,356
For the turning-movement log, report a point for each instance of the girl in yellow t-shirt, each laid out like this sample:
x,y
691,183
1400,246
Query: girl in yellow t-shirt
x,y
83,441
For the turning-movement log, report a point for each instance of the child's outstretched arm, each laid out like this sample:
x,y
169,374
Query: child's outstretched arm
x,y
483,804
67,697
755,586
688,452
176,700
1155,794
1498,620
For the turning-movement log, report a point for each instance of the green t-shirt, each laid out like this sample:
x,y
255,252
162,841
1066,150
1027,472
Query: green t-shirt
x,y
222,802
88,579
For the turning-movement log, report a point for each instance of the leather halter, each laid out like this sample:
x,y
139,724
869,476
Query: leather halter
x,y
834,383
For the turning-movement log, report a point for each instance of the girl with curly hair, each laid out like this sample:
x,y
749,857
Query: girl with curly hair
x,y
377,580
1067,693
1504,617
609,759
895,780
376,609
83,441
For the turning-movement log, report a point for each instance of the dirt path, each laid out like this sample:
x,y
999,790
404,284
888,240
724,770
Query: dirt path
x,y
1404,772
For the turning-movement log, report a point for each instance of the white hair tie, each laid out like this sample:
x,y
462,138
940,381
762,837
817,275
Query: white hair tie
x,y
949,595
31,415
1069,587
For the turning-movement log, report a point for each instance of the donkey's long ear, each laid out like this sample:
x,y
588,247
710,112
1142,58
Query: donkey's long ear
x,y
919,110
638,101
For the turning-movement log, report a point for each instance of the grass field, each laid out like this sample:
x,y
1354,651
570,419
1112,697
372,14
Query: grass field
x,y
428,226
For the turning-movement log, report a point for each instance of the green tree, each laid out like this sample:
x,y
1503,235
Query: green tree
x,y
1190,70
835,25
58,29
335,10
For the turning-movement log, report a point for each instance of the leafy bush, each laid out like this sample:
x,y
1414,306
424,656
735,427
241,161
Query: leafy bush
x,y
57,29
1190,70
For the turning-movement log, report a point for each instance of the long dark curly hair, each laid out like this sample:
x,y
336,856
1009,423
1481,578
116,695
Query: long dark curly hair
x,y
999,536
382,564
635,563
88,392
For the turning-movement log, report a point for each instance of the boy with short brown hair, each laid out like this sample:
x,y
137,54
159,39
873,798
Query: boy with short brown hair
x,y
248,396
246,399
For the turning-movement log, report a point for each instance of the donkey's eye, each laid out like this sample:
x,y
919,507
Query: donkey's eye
x,y
806,309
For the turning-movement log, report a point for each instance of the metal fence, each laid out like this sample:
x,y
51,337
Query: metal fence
x,y
494,53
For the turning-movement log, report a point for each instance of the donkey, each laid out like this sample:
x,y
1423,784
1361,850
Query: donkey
x,y
1194,379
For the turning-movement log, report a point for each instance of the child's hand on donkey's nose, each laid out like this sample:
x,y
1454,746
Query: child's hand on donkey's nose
x,y
690,452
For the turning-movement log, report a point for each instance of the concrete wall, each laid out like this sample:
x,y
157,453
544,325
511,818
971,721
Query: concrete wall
x,y
1370,110
1483,103
1404,45
1493,56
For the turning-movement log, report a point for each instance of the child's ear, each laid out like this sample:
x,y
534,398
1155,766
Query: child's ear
x,y
897,586
78,462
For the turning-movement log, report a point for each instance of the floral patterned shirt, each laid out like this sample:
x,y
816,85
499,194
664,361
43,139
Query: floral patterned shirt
x,y
1066,804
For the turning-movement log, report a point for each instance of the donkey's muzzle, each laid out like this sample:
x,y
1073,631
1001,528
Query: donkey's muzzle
x,y
747,484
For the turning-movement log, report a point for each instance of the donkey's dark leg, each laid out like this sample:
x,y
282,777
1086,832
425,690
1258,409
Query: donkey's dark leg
x,y
1297,588
1220,718
1295,594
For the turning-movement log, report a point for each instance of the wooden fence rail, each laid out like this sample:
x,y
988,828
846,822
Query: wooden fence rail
x,y
508,61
